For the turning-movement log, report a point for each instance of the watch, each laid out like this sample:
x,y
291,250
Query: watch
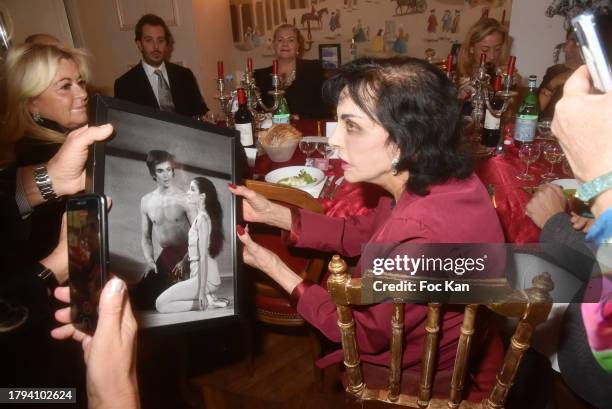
x,y
595,187
43,182
46,275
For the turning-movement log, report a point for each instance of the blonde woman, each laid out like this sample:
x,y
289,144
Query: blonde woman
x,y
45,99
487,36
301,79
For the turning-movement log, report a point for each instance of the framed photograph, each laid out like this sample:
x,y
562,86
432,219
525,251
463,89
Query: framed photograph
x,y
171,230
330,56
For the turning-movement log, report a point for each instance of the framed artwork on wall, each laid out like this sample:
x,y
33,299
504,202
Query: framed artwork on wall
x,y
330,56
171,231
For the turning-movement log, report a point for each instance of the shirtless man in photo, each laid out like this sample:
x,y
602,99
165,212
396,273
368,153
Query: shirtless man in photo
x,y
166,215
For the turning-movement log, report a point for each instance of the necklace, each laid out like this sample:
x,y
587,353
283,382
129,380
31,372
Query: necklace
x,y
287,80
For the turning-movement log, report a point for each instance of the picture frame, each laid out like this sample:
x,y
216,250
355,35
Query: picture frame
x,y
330,56
167,176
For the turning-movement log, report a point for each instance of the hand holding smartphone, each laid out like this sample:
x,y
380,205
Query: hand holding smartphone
x,y
87,257
594,33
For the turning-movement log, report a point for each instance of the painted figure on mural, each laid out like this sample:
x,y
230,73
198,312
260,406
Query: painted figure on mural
x,y
332,21
432,22
389,35
256,37
377,45
358,33
248,39
399,46
455,28
447,22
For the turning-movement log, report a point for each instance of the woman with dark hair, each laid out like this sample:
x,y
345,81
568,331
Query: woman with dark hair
x,y
399,128
301,79
551,88
205,239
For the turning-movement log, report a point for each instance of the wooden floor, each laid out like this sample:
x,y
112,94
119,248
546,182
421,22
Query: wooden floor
x,y
283,375
283,378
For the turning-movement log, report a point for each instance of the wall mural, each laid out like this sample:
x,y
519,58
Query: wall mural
x,y
381,28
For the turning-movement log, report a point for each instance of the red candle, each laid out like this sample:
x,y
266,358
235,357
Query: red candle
x,y
483,58
511,63
497,86
220,70
249,64
275,67
449,63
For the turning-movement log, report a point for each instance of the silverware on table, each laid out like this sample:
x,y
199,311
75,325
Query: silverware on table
x,y
326,185
337,184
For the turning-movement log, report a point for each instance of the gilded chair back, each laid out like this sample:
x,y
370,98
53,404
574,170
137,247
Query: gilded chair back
x,y
532,308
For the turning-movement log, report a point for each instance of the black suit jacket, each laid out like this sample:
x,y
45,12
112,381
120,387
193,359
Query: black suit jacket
x,y
304,95
134,86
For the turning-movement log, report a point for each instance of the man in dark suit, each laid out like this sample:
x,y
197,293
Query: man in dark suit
x,y
155,82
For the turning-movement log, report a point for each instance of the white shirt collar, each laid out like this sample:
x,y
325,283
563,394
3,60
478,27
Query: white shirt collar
x,y
149,69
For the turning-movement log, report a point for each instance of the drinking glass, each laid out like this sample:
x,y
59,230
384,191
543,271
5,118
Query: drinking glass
x,y
327,151
567,169
529,153
307,147
544,129
552,154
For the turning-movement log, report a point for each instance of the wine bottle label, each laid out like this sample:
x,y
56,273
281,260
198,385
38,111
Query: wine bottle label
x,y
525,128
246,133
491,122
281,119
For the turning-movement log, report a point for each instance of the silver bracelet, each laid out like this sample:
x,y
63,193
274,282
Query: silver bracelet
x,y
43,182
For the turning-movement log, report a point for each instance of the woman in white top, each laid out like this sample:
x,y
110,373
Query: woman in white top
x,y
205,239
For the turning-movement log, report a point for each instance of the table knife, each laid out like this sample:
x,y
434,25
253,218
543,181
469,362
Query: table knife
x,y
337,184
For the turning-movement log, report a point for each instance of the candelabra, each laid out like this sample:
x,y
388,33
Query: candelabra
x,y
226,97
479,89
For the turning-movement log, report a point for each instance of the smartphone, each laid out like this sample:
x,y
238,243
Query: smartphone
x,y
87,257
594,33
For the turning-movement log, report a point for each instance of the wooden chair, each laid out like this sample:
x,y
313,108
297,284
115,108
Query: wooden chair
x,y
271,301
531,308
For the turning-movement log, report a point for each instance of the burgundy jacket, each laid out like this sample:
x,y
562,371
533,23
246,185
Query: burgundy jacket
x,y
458,211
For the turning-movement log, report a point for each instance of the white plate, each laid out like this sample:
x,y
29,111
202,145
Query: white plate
x,y
278,174
566,184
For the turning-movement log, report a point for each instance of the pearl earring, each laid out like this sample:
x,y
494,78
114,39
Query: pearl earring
x,y
394,164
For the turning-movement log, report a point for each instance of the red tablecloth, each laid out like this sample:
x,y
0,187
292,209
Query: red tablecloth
x,y
510,198
501,171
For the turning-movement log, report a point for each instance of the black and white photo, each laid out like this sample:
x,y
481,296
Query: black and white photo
x,y
172,219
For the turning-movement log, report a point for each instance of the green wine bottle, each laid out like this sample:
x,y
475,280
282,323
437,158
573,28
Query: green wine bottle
x,y
527,115
281,115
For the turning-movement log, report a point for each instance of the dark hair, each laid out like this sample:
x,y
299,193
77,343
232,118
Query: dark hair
x,y
156,157
213,208
152,20
417,105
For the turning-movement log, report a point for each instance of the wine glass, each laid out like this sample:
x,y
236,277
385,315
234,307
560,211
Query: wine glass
x,y
528,153
307,147
544,129
552,154
327,151
567,169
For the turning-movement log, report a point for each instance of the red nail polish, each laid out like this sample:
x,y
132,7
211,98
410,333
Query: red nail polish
x,y
240,230
232,185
